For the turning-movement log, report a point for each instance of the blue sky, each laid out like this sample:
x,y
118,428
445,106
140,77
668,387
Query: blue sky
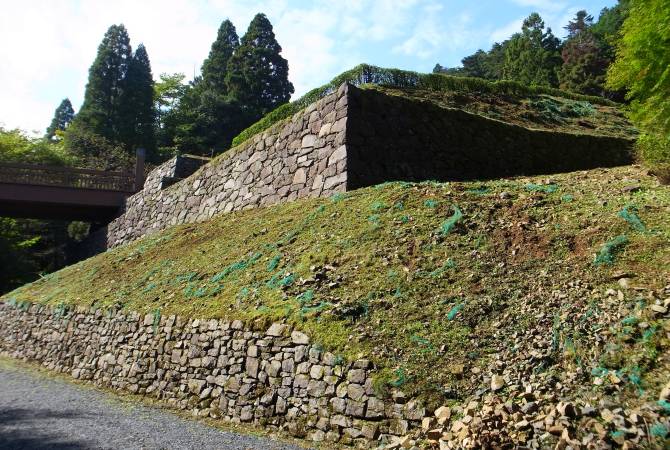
x,y
47,46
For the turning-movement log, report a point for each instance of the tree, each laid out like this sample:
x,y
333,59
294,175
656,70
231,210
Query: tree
x,y
17,147
642,66
136,128
168,93
101,112
215,67
257,77
481,64
208,118
62,118
584,62
532,56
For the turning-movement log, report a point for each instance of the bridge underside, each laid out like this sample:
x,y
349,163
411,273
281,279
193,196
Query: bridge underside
x,y
59,203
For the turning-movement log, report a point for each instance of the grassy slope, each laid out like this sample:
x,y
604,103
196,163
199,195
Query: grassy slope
x,y
376,272
538,112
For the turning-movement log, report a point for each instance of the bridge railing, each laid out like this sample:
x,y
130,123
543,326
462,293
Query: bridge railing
x,y
67,177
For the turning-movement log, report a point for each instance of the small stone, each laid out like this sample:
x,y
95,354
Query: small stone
x,y
497,383
659,309
276,329
299,338
607,415
443,413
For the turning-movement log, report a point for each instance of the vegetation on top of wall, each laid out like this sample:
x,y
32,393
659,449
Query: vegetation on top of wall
x,y
368,74
429,280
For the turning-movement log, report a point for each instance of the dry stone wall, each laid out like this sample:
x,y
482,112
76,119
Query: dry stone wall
x,y
350,139
391,138
304,156
276,378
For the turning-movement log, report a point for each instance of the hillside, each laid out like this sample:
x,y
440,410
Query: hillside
x,y
442,285
536,111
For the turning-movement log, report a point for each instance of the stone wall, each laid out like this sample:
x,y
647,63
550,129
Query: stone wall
x,y
303,156
275,377
392,138
355,138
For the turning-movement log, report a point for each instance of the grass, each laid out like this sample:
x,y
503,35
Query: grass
x,y
365,74
419,277
535,111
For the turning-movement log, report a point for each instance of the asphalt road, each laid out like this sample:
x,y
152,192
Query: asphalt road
x,y
37,412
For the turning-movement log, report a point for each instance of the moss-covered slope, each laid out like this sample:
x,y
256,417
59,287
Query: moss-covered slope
x,y
535,111
435,282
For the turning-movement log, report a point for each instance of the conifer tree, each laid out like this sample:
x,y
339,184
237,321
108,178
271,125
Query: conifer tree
x,y
584,63
257,74
101,112
62,118
532,56
136,128
215,67
208,118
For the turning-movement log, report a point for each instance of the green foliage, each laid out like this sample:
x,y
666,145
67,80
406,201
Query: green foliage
x,y
63,116
532,56
207,118
366,74
215,67
584,65
642,67
102,111
19,266
138,106
258,75
118,101
17,147
90,149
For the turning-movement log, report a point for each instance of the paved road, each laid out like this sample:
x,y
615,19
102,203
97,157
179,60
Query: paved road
x,y
37,412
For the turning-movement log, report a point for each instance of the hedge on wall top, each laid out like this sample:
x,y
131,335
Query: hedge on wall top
x,y
367,74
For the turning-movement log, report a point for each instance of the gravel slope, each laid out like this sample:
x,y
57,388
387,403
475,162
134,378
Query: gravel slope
x,y
40,413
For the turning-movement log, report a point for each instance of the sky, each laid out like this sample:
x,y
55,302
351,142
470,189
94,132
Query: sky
x,y
47,46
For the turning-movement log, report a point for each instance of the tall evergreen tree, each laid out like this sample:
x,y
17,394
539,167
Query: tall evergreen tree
x,y
215,67
136,128
208,118
584,63
62,118
532,57
257,74
101,112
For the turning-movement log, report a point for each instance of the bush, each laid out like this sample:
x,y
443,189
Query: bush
x,y
367,74
95,151
654,150
17,147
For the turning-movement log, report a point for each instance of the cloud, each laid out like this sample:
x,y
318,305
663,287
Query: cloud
x,y
542,5
504,32
49,45
432,35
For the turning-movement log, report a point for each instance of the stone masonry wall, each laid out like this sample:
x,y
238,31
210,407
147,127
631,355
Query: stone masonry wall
x,y
350,139
301,157
275,378
391,138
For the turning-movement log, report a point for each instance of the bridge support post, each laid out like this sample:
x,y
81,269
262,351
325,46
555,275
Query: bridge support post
x,y
139,168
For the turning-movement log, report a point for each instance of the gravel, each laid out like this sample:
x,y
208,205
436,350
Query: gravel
x,y
39,413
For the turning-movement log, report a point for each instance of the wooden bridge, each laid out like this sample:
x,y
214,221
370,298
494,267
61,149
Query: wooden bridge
x,y
66,193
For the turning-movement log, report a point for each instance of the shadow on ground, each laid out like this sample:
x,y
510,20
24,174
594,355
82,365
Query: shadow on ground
x,y
19,430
